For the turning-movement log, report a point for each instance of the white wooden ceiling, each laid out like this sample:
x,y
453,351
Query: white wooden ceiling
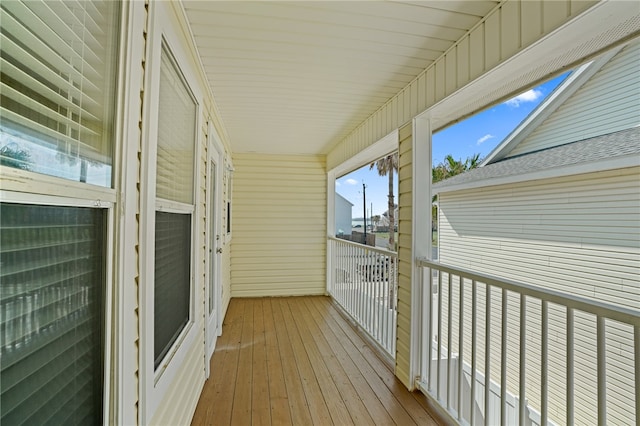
x,y
296,77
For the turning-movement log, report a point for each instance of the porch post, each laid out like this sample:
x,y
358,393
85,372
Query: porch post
x,y
421,239
331,226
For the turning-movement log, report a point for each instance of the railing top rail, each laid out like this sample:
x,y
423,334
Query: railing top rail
x,y
595,307
364,247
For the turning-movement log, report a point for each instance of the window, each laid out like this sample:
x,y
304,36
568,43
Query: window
x,y
58,88
174,207
58,63
53,281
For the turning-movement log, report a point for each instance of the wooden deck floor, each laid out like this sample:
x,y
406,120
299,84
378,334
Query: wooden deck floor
x,y
296,361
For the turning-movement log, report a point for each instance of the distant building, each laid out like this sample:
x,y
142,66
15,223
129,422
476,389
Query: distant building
x,y
343,215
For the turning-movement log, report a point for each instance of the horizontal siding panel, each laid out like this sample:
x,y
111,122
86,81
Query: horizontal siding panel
x,y
180,400
279,225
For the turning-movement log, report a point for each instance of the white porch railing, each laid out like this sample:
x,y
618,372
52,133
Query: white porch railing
x,y
364,281
532,346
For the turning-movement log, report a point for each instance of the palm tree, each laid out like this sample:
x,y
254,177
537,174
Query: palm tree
x,y
387,166
454,167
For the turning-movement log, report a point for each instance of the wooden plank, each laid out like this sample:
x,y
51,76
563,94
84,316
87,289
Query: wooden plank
x,y
298,406
279,401
216,400
375,409
241,411
337,409
408,401
359,413
313,393
260,397
351,341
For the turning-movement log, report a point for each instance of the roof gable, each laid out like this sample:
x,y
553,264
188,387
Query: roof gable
x,y
516,140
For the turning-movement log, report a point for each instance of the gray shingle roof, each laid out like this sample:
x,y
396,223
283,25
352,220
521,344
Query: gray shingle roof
x,y
618,144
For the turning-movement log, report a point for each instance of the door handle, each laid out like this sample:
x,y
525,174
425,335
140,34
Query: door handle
x,y
219,250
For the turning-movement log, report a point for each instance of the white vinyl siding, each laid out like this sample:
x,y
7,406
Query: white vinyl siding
x,y
405,255
504,32
577,234
279,219
179,403
608,102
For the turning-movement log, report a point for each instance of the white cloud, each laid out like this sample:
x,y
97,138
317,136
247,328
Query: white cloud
x,y
528,96
351,181
484,139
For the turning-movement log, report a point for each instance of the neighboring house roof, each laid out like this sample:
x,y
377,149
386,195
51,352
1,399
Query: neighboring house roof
x,y
614,150
564,91
338,196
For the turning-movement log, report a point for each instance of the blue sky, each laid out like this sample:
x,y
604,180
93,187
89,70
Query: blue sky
x,y
478,134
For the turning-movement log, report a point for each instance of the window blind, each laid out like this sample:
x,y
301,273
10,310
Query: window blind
x,y
57,81
176,135
51,314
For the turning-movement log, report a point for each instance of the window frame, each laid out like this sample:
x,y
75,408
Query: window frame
x,y
155,383
29,187
13,196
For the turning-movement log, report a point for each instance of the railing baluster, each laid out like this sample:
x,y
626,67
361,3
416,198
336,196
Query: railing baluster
x,y
474,311
367,292
449,344
385,312
430,328
439,356
544,367
362,284
570,366
602,372
503,361
636,357
487,354
523,359
460,345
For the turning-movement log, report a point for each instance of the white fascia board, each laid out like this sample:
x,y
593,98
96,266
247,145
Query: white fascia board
x,y
621,162
373,152
559,96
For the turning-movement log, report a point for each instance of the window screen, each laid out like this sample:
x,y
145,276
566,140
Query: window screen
x,y
52,283
57,84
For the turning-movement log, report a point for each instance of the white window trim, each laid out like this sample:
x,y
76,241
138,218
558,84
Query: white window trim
x,y
40,184
215,150
126,174
155,383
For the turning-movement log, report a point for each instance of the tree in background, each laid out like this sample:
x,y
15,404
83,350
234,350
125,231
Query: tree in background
x,y
13,156
387,166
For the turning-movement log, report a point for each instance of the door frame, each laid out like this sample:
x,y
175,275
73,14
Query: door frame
x,y
215,154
